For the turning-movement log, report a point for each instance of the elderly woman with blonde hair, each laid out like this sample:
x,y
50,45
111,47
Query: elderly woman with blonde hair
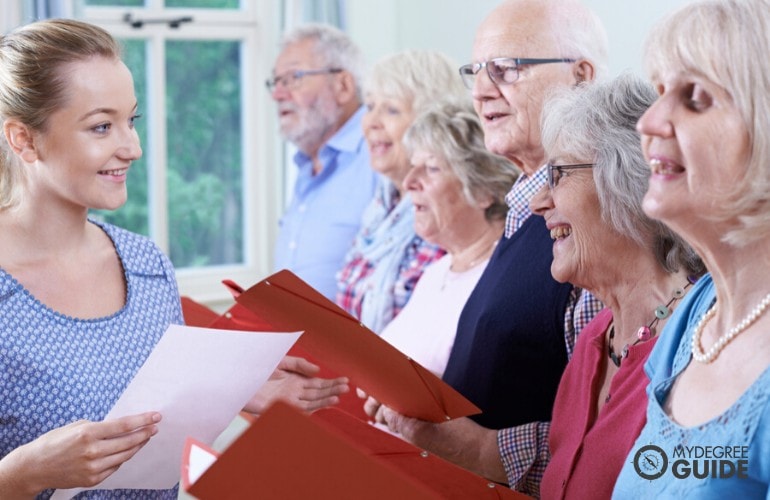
x,y
707,141
387,257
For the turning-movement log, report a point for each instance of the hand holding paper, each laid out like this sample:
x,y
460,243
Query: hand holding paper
x,y
198,380
57,459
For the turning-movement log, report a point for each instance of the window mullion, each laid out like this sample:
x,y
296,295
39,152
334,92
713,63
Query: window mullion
x,y
157,145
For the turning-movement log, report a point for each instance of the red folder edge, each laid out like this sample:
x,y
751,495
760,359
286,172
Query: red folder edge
x,y
282,298
284,454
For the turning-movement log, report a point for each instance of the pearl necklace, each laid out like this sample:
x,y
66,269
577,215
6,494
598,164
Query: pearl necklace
x,y
708,356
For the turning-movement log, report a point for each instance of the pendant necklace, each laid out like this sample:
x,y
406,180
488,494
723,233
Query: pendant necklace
x,y
646,332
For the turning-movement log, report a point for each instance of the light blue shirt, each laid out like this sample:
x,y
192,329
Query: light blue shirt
x,y
744,428
324,216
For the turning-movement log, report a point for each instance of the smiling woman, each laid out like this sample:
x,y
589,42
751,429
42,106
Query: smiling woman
x,y
387,257
84,156
604,243
73,293
708,144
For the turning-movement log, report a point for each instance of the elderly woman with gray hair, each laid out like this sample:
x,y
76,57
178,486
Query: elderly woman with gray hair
x,y
639,268
603,242
458,191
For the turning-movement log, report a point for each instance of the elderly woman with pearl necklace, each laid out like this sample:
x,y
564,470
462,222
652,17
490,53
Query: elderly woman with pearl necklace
x,y
707,142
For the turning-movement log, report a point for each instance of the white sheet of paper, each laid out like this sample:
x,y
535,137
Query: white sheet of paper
x,y
198,379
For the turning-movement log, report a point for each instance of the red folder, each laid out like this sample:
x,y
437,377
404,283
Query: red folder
x,y
286,454
336,340
348,347
240,318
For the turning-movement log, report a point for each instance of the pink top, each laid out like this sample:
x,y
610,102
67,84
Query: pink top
x,y
588,451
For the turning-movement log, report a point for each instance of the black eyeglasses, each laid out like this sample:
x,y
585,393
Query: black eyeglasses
x,y
555,172
291,79
502,70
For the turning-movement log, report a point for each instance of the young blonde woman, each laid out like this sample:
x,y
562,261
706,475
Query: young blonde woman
x,y
82,303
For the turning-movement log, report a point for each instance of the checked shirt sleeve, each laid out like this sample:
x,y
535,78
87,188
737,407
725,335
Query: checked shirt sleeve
x,y
525,454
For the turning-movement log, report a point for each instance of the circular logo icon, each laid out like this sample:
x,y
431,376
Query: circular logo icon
x,y
650,462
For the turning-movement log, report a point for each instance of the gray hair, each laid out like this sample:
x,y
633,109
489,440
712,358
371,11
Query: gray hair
x,y
420,77
332,46
33,85
598,122
580,34
453,132
725,41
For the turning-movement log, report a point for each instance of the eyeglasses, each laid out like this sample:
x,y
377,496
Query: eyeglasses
x,y
291,79
502,70
555,172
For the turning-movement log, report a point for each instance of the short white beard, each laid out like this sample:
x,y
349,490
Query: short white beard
x,y
316,124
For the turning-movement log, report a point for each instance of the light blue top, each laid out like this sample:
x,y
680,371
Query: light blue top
x,y
745,423
56,369
324,216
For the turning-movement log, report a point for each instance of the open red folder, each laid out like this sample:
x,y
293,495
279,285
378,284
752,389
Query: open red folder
x,y
286,454
341,343
240,318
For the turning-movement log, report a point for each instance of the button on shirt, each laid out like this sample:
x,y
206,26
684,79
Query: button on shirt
x,y
319,226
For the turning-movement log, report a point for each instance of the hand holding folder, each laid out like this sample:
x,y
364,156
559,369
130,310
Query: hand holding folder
x,y
330,454
341,343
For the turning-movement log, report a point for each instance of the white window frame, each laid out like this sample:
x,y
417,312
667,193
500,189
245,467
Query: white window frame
x,y
256,25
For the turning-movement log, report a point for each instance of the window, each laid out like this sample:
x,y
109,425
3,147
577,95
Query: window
x,y
208,188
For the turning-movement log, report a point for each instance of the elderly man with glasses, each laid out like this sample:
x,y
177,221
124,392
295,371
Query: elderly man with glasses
x,y
316,86
517,329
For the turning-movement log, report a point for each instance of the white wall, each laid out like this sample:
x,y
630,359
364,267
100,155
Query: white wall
x,y
382,27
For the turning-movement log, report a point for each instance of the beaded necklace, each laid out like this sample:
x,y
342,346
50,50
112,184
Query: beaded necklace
x,y
646,332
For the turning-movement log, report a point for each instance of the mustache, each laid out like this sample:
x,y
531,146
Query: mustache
x,y
287,106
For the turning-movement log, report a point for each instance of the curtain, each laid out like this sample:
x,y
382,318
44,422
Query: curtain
x,y
296,12
45,9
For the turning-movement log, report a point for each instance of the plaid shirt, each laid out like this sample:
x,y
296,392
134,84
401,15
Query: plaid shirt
x,y
354,284
524,449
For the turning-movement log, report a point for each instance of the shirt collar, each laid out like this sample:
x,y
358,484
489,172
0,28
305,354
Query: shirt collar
x,y
347,139
518,198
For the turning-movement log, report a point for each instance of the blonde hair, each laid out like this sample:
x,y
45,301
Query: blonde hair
x,y
32,83
725,42
420,77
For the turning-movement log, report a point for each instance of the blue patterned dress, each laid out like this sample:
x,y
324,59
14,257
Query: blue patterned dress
x,y
57,369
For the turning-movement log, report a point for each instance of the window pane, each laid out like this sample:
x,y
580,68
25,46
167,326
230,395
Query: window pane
x,y
133,215
203,100
204,4
114,3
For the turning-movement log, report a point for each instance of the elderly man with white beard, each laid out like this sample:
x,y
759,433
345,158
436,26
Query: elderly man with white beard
x,y
316,86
